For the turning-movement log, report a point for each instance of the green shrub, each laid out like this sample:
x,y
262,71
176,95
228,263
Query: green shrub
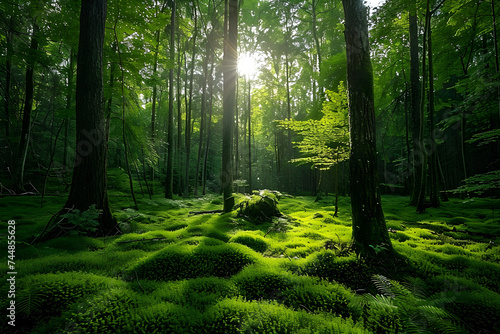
x,y
257,244
181,262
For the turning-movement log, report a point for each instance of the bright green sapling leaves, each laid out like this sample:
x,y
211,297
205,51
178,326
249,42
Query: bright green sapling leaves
x,y
325,141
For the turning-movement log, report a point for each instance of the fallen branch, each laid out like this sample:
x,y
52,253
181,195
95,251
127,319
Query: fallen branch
x,y
140,240
194,213
130,218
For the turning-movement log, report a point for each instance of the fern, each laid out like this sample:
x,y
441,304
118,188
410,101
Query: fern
x,y
29,302
404,307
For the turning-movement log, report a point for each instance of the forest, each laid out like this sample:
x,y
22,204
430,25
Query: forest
x,y
250,166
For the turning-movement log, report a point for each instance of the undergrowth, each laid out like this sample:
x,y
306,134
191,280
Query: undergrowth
x,y
172,271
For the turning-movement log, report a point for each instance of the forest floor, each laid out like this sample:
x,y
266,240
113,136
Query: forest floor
x,y
175,272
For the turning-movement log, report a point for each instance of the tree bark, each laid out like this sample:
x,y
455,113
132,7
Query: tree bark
x,y
422,176
89,184
26,124
169,178
416,160
187,132
249,138
369,228
434,190
8,68
230,61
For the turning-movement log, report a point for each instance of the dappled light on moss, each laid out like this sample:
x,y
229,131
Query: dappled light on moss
x,y
171,271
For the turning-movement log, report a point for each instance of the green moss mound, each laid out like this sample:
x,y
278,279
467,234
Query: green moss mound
x,y
239,316
182,262
255,243
348,271
45,296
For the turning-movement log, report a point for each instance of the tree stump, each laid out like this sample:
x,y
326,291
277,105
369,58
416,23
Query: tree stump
x,y
260,208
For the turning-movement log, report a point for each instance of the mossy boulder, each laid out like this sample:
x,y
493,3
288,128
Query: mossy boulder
x,y
261,207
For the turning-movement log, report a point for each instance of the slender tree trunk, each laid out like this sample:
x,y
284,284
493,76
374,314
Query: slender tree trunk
x,y
203,111
124,128
230,62
434,191
369,228
423,176
249,137
28,106
8,68
180,186
495,43
89,185
417,158
169,179
153,107
69,98
189,109
209,124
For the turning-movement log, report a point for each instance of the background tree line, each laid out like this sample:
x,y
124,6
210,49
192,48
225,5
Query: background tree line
x,y
436,94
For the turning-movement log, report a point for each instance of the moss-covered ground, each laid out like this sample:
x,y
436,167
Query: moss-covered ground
x,y
175,272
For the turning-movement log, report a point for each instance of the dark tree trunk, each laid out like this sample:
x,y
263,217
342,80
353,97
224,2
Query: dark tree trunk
x,y
416,156
8,67
369,228
89,184
69,99
26,124
433,164
495,43
423,178
169,178
230,75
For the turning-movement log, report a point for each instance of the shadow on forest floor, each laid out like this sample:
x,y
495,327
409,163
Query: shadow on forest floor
x,y
172,271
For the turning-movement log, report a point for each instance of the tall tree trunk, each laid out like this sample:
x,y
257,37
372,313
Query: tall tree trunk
x,y
249,138
169,178
423,176
417,159
124,128
187,132
153,107
28,106
209,123
434,190
230,62
89,184
8,68
495,43
178,155
368,223
203,111
69,98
